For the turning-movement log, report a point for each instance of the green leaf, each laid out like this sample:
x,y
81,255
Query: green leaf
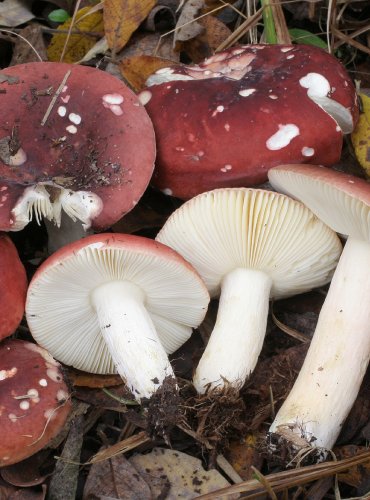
x,y
268,22
59,16
303,36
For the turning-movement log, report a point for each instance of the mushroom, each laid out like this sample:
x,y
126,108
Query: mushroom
x,y
13,281
116,303
329,380
226,121
75,143
249,246
34,400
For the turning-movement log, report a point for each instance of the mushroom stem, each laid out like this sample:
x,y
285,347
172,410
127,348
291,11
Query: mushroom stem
x,y
335,364
131,337
236,341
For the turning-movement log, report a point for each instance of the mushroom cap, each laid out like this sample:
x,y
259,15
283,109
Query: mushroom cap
x,y
97,140
341,200
225,122
229,228
13,281
34,400
59,310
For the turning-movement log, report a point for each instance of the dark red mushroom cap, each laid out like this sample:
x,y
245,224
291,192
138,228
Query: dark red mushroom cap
x,y
225,122
73,130
13,282
34,400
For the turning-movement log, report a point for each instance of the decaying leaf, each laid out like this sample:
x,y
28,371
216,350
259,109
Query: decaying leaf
x,y
185,474
90,28
24,52
122,18
92,380
243,455
186,27
137,69
15,12
361,135
115,478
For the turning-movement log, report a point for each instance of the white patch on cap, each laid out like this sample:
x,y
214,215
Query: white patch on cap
x,y
62,111
227,127
112,102
164,71
66,99
144,97
43,382
338,129
282,137
3,188
33,393
246,92
18,159
53,374
273,96
317,85
13,417
74,118
290,56
167,191
226,168
62,395
72,129
286,49
219,109
308,151
4,374
50,361
24,405
65,88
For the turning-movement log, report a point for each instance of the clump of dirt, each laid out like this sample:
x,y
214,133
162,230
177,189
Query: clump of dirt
x,y
162,410
214,417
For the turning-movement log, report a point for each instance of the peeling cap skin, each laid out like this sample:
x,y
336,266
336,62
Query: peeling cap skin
x,y
73,139
228,120
248,245
314,412
13,281
116,303
34,400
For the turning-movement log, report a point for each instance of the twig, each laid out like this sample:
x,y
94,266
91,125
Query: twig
x,y
2,30
55,97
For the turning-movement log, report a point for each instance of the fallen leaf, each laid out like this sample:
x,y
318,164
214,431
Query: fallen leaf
x,y
80,378
90,27
185,474
122,18
187,27
361,135
137,69
24,52
116,478
244,454
14,12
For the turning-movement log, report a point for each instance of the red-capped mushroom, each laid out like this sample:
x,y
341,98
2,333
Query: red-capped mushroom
x,y
13,281
73,139
34,400
226,121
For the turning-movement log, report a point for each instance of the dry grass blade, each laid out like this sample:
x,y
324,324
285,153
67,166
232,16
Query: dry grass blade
x,y
290,331
77,6
241,30
281,27
290,478
350,41
123,446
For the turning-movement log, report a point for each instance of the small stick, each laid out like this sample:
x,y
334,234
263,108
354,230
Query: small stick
x,y
55,97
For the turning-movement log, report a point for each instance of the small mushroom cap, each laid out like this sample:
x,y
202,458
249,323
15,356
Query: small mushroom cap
x,y
13,281
97,139
34,400
226,121
225,229
59,310
341,200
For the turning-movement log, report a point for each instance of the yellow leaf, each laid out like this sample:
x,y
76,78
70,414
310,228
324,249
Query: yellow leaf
x,y
90,28
122,18
361,135
137,69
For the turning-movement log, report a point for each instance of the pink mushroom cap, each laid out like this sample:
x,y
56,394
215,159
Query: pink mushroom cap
x,y
226,121
71,129
34,400
13,282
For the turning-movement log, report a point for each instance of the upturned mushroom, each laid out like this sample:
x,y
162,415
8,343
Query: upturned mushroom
x,y
34,400
75,145
13,281
248,245
116,303
226,121
329,380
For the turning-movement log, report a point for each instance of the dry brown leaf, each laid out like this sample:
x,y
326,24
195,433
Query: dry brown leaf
x,y
14,12
91,380
186,27
89,26
23,52
137,69
244,454
122,18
